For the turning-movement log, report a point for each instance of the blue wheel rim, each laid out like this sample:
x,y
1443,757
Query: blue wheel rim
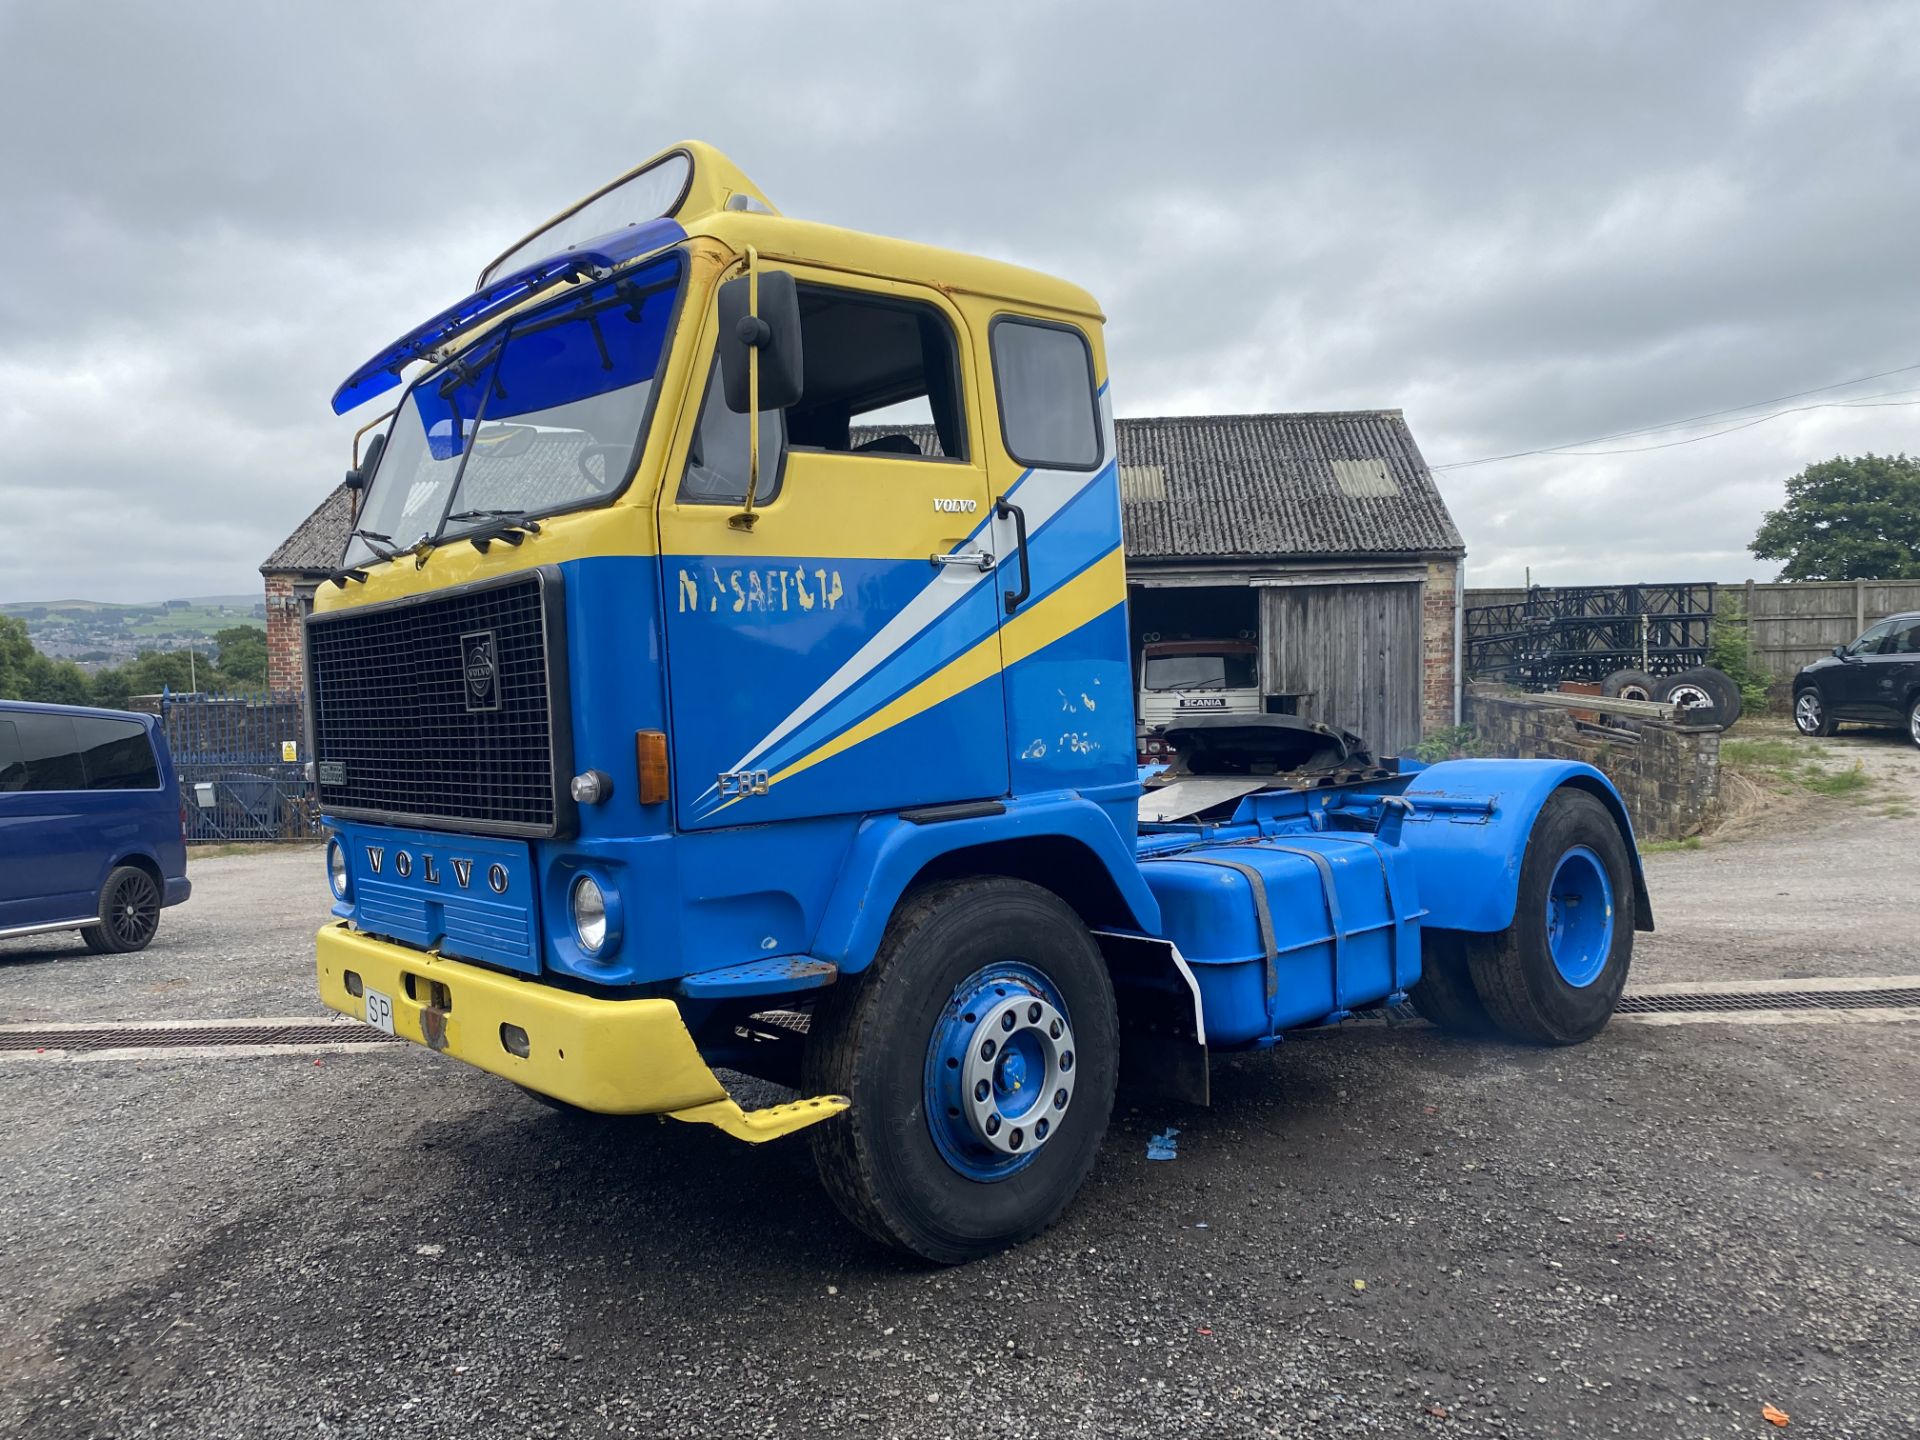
x,y
1580,917
1000,1071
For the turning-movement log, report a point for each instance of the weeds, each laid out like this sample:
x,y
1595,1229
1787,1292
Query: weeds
x,y
1784,765
1668,847
1450,742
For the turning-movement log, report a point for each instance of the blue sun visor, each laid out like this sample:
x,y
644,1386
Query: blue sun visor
x,y
382,372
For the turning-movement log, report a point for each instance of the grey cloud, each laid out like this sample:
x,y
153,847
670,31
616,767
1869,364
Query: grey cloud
x,y
1522,222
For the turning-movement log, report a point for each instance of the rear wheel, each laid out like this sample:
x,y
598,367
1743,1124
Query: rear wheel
x,y
1445,994
1555,974
980,1051
129,913
1810,713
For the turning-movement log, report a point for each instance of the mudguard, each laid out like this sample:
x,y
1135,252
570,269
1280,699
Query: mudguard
x,y
888,851
1469,828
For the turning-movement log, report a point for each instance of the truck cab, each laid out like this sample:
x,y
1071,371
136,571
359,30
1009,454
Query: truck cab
x,y
1183,678
730,672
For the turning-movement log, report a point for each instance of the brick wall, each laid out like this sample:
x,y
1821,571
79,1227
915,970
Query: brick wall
x,y
1437,657
288,600
1669,776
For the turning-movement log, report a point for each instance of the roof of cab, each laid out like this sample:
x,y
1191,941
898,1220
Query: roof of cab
x,y
781,237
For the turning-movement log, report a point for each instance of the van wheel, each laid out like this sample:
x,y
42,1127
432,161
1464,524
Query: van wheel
x,y
1555,974
980,1051
129,913
1445,995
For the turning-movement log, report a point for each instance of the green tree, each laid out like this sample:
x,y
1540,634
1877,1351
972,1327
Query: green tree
x,y
243,653
1846,519
16,658
59,682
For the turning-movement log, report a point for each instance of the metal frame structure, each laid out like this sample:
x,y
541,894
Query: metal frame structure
x,y
1587,632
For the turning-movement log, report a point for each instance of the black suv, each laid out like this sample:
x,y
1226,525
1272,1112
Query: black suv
x,y
1875,679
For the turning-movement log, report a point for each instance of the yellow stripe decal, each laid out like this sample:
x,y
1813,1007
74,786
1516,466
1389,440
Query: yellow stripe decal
x,y
1090,594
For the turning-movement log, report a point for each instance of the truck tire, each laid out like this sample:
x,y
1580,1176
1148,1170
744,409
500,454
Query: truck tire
x,y
1445,995
1554,976
1628,685
129,913
1710,697
980,1051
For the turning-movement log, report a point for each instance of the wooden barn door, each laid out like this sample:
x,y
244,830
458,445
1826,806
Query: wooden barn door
x,y
1351,654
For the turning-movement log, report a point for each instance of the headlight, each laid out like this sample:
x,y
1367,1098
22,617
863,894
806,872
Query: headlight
x,y
337,876
589,904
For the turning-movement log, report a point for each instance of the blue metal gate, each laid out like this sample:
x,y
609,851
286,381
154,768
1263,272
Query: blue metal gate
x,y
242,763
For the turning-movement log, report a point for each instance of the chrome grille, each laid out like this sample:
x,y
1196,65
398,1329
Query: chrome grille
x,y
447,710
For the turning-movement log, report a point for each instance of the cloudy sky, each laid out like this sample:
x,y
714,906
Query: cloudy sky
x,y
1525,224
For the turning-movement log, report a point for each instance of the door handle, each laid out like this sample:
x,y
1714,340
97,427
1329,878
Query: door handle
x,y
981,560
1003,508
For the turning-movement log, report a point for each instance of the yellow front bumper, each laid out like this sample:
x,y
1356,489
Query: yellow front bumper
x,y
619,1057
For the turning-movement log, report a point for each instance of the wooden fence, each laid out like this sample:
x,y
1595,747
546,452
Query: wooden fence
x,y
1791,622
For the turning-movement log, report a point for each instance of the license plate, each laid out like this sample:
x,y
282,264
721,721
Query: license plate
x,y
380,1011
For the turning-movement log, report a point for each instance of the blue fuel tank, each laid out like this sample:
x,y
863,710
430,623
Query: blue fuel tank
x,y
1289,930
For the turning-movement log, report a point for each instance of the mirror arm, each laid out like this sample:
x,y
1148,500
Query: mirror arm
x,y
745,518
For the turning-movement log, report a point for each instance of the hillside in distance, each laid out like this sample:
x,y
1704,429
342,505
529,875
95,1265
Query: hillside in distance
x,y
95,633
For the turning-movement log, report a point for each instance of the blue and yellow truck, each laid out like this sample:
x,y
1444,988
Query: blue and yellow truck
x,y
729,672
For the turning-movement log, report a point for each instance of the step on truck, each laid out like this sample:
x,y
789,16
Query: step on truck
x,y
729,672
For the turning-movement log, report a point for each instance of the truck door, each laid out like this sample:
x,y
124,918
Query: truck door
x,y
841,656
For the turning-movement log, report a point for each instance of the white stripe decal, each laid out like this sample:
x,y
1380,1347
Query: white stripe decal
x,y
1044,493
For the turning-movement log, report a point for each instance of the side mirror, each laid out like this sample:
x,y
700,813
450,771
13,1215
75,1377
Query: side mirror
x,y
1839,652
359,477
774,332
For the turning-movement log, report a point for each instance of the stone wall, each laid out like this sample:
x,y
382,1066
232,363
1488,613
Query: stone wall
x,y
1437,658
1669,776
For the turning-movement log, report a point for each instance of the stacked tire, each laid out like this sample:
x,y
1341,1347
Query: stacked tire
x,y
1704,696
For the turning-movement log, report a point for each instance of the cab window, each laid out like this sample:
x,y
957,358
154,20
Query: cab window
x,y
1049,411
882,379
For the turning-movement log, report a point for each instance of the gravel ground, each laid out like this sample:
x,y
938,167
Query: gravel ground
x,y
1376,1231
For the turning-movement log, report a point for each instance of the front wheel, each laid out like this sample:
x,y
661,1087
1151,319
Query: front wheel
x,y
980,1051
1554,976
129,913
1913,720
1810,714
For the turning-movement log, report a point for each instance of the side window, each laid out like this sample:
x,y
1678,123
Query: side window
x,y
1905,639
1869,641
116,754
717,457
50,752
882,378
1049,412
13,764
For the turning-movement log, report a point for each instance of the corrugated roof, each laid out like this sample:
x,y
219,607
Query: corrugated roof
x,y
1195,488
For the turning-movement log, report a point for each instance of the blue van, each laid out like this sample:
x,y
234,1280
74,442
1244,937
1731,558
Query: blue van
x,y
91,832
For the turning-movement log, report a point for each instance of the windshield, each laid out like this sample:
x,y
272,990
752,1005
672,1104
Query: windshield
x,y
545,415
1200,672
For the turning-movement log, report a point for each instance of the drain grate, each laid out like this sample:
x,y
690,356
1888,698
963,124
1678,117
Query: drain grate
x,y
1725,1001
180,1037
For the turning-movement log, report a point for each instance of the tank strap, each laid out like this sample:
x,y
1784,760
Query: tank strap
x,y
1325,867
1262,913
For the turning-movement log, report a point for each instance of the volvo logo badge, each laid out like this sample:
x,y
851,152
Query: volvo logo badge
x,y
375,854
480,670
463,872
497,879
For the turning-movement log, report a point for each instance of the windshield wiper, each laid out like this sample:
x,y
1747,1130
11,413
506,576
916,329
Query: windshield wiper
x,y
513,527
376,542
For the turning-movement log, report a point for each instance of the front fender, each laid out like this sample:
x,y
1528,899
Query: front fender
x,y
1469,832
889,851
